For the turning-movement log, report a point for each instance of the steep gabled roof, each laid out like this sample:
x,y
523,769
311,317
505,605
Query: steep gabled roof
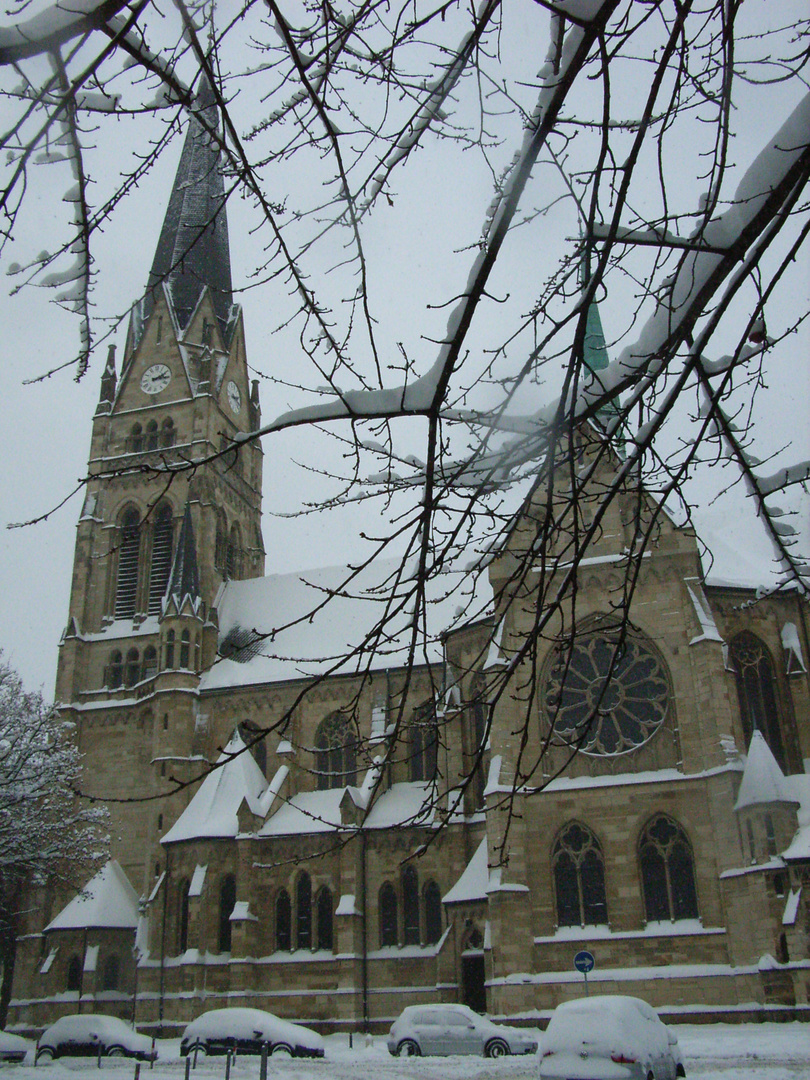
x,y
193,253
472,885
763,781
212,813
108,900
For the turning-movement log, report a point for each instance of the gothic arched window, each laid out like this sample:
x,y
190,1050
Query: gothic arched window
x,y
221,543
756,691
388,915
129,550
227,902
151,439
161,558
433,913
579,877
185,650
169,649
233,554
283,921
132,668
410,906
110,973
478,734
424,743
115,670
167,432
150,663
303,912
182,915
135,439
74,973
667,871
323,916
335,752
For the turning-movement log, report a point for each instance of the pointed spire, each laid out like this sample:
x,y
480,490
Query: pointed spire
x,y
184,580
763,781
193,252
108,383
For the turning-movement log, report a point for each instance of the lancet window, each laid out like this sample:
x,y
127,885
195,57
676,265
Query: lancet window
x,y
579,877
667,871
335,752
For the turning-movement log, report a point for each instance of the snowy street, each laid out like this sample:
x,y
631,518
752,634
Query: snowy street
x,y
712,1052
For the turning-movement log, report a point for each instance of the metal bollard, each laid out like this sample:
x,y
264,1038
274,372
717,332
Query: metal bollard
x,y
154,1055
350,1040
196,1050
263,1066
98,1056
227,1065
137,1070
188,1065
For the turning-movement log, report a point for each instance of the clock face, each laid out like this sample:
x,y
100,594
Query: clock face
x,y
234,397
155,378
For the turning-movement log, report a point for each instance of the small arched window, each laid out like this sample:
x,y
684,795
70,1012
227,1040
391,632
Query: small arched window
x,y
150,441
227,902
433,913
579,877
233,555
335,752
115,670
424,743
169,650
74,973
478,734
135,440
756,691
221,543
388,915
161,558
667,871
303,912
182,915
167,432
132,668
129,550
185,650
410,906
323,916
150,662
110,973
283,921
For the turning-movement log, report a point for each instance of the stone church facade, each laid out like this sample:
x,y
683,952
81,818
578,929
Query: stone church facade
x,y
377,834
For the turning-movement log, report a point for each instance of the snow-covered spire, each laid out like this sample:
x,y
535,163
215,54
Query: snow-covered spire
x,y
763,781
184,580
193,252
108,383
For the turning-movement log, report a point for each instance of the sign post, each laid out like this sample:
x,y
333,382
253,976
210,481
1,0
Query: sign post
x,y
584,962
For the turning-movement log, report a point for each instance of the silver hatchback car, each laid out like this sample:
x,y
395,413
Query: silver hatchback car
x,y
455,1029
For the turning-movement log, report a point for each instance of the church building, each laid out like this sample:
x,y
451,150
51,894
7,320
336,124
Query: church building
x,y
376,833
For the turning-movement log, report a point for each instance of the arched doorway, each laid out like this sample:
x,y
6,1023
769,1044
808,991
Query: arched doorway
x,y
473,978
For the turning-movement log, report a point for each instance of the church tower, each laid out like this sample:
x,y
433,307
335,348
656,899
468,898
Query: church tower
x,y
156,538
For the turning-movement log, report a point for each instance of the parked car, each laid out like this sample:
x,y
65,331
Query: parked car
x,y
13,1047
80,1036
608,1037
246,1031
455,1029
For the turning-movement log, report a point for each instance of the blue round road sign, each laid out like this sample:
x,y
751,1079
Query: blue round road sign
x,y
584,961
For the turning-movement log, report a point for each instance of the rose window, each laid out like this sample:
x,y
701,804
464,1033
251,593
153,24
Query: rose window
x,y
606,699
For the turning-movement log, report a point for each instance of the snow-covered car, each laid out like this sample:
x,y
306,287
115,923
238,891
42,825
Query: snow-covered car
x,y
80,1036
608,1037
454,1029
247,1031
13,1047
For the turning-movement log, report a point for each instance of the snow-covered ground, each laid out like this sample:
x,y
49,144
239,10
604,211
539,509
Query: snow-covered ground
x,y
712,1052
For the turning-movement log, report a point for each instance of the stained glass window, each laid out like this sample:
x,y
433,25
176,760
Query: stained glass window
x,y
579,877
667,871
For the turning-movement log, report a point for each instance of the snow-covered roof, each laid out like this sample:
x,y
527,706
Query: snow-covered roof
x,y
108,900
338,612
798,787
319,811
212,812
762,781
472,885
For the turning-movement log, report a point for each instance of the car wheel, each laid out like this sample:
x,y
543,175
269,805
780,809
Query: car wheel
x,y
496,1048
281,1050
45,1054
408,1048
116,1051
